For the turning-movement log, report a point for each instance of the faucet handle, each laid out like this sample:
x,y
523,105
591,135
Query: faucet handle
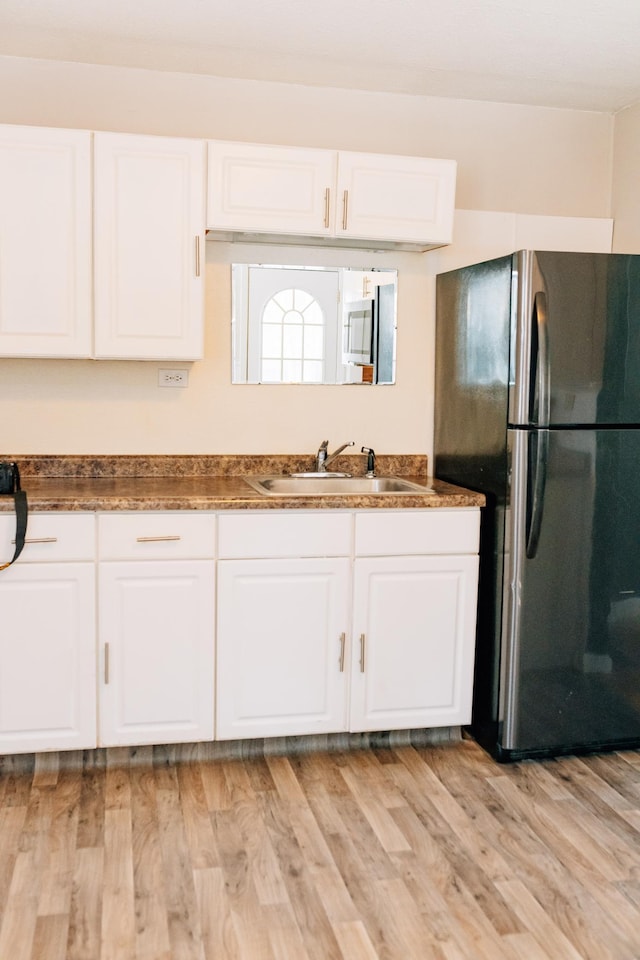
x,y
371,461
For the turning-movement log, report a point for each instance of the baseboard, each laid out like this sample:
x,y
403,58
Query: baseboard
x,y
48,764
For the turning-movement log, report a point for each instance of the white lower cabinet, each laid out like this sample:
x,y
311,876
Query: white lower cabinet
x,y
47,641
327,621
281,647
413,633
156,628
414,618
283,615
293,659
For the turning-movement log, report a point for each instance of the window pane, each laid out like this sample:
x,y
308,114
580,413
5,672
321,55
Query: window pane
x,y
314,343
312,371
271,340
292,371
302,299
292,342
313,313
272,313
271,371
284,298
292,316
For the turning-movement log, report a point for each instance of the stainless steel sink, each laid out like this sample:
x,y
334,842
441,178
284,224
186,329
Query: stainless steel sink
x,y
279,486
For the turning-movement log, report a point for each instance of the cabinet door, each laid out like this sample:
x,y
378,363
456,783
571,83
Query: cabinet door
x,y
281,638
266,189
47,657
413,642
149,247
45,242
383,197
156,622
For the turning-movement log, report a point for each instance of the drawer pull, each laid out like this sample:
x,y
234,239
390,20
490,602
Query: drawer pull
x,y
343,641
362,647
39,540
106,663
157,539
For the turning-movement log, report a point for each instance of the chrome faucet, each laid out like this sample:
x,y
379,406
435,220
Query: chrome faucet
x,y
321,456
323,459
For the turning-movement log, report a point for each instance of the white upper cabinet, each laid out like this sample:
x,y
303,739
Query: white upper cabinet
x,y
257,188
45,242
340,198
149,247
404,199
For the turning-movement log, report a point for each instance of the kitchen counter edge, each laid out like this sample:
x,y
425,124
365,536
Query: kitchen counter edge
x,y
217,493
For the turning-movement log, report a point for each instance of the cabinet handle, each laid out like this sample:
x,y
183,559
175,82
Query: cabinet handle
x,y
343,641
39,540
106,663
362,646
157,539
197,256
327,195
345,208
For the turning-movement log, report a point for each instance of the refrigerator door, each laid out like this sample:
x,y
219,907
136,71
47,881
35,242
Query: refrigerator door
x,y
473,323
577,349
570,664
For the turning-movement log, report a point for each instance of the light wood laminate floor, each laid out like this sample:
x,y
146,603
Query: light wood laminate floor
x,y
430,852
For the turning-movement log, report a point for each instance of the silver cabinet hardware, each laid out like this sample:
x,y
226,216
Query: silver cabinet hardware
x,y
345,208
39,540
343,641
327,195
197,256
157,539
106,663
362,646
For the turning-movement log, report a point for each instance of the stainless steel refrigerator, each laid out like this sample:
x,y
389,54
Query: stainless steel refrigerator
x,y
537,405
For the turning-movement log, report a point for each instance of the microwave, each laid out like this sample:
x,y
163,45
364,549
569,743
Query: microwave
x,y
357,332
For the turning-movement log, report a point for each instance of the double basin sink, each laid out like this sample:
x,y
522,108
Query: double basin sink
x,y
326,484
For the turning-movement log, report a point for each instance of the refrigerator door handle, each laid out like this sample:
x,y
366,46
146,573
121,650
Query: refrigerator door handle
x,y
536,486
542,367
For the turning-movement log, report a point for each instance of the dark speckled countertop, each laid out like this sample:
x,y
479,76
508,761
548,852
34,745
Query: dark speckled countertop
x,y
211,483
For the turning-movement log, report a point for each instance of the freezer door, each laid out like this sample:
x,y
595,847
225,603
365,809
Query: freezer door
x,y
570,668
577,332
473,320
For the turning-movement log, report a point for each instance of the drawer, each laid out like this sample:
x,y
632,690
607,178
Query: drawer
x,y
50,537
156,536
411,532
284,534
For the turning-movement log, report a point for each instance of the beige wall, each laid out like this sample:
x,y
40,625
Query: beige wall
x,y
626,181
510,158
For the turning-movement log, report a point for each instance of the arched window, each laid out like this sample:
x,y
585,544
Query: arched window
x,y
293,338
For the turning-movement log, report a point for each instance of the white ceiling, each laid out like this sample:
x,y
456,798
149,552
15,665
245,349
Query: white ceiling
x,y
582,54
